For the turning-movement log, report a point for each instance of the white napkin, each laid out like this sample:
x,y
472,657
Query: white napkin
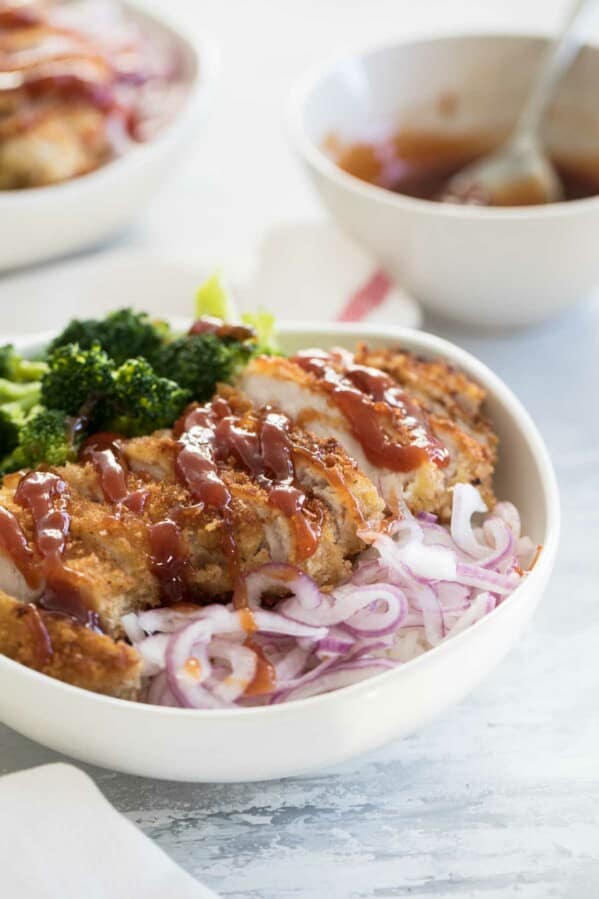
x,y
59,837
312,270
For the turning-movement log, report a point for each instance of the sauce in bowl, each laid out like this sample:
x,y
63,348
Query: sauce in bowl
x,y
420,164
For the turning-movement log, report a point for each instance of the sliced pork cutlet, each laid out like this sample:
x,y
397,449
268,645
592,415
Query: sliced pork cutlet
x,y
70,554
181,515
383,426
454,405
62,648
243,487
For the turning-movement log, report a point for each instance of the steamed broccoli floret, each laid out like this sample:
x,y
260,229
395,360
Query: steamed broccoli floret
x,y
76,378
199,361
45,436
123,335
14,368
143,401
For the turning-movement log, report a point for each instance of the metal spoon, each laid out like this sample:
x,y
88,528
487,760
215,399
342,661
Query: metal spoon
x,y
520,173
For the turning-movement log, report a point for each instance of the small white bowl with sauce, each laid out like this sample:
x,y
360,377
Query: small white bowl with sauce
x,y
282,740
491,267
39,223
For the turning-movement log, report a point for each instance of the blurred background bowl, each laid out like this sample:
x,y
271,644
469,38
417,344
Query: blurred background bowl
x,y
489,267
43,222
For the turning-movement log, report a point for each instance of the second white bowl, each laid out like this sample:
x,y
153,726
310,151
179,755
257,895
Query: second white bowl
x,y
490,267
42,222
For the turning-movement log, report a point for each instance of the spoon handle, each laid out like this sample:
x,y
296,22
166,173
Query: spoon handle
x,y
558,56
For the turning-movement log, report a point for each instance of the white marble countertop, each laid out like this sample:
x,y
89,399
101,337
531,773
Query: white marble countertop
x,y
501,796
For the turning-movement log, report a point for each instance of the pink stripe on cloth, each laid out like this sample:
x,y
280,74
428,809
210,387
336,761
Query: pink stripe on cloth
x,y
366,298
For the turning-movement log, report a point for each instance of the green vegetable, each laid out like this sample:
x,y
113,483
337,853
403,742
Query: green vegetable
x,y
14,368
143,401
12,419
123,335
264,324
27,394
199,361
45,436
213,298
76,378
125,373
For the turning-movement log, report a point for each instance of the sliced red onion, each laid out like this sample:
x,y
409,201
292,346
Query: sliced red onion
x,y
385,613
277,577
406,530
133,629
338,641
164,620
427,601
435,563
453,596
370,572
509,513
159,692
483,579
498,535
466,502
188,664
477,609
291,665
153,652
344,602
243,663
277,623
341,675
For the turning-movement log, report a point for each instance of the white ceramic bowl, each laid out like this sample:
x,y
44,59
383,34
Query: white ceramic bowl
x,y
489,267
283,740
43,222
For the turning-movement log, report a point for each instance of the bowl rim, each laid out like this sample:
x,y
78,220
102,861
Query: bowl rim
x,y
431,345
204,51
307,83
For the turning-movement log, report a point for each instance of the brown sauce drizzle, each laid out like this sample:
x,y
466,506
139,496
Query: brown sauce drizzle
x,y
248,622
45,495
265,677
206,324
169,560
104,451
364,396
63,596
211,433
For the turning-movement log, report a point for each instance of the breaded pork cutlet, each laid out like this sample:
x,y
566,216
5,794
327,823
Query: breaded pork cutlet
x,y
180,515
415,437
68,651
104,553
334,499
454,405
